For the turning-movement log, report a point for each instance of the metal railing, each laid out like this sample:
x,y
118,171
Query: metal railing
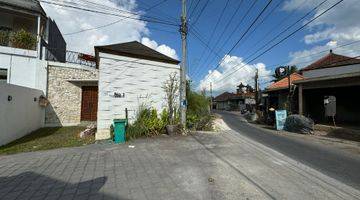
x,y
80,58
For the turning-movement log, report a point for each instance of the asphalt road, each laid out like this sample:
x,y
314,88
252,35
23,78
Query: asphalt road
x,y
344,167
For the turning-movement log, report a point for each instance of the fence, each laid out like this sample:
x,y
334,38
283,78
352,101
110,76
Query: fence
x,y
80,58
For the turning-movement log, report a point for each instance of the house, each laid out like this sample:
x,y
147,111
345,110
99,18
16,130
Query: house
x,y
277,94
71,92
241,100
223,101
41,83
131,75
334,76
44,64
26,20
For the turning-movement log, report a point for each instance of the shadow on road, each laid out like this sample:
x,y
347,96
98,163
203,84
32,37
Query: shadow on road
x,y
30,185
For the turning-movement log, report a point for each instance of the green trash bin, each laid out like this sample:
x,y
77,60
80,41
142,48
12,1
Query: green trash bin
x,y
119,130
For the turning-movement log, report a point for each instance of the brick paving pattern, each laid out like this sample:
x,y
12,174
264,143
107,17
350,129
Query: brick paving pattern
x,y
199,166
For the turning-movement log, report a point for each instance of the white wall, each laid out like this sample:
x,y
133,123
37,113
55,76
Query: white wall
x,y
140,80
24,67
21,115
332,71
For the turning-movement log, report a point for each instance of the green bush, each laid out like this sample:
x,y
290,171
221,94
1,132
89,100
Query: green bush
x,y
23,39
147,124
198,111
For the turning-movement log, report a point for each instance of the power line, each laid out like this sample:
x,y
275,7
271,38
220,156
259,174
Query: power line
x,y
115,22
113,14
191,4
264,19
158,11
286,18
216,25
267,50
222,33
232,33
313,54
202,10
203,42
242,36
192,12
287,28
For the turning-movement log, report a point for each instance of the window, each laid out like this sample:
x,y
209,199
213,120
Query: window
x,y
3,76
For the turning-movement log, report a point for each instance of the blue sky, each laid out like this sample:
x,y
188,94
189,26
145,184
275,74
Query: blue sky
x,y
339,26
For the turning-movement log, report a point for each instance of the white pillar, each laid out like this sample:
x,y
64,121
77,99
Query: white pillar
x,y
38,37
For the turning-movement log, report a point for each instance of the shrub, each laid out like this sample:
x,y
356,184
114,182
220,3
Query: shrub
x,y
147,124
23,39
198,111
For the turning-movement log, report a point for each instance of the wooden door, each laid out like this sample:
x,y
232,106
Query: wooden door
x,y
89,103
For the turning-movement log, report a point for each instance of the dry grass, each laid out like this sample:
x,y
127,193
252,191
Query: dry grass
x,y
48,138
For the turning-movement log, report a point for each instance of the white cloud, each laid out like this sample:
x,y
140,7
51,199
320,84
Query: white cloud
x,y
164,49
340,25
222,81
70,20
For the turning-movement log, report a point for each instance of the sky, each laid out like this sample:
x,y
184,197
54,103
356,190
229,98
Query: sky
x,y
218,25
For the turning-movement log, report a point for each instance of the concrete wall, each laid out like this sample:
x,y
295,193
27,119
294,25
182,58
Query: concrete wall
x,y
21,115
64,92
24,68
332,71
139,80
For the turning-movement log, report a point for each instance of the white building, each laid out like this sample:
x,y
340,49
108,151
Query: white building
x,y
34,64
130,75
23,63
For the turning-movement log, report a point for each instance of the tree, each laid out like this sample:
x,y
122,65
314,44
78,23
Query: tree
x,y
293,69
171,88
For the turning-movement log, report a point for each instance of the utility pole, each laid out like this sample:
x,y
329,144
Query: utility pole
x,y
211,97
183,32
257,88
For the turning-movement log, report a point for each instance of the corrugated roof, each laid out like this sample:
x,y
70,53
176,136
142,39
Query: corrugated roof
x,y
284,83
30,5
137,50
224,96
228,96
331,60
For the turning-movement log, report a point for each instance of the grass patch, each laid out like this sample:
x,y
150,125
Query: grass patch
x,y
48,138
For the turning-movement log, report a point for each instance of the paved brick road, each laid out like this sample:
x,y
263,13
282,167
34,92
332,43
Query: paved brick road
x,y
203,166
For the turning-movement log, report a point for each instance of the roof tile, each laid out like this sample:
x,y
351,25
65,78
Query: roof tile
x,y
137,50
331,60
284,83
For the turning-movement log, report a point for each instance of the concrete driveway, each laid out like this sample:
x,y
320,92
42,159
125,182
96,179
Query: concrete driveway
x,y
223,165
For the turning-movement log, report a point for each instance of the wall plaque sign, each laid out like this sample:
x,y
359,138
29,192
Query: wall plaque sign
x,y
119,95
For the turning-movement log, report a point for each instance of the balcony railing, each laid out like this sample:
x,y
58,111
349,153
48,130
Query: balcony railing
x,y
80,58
18,39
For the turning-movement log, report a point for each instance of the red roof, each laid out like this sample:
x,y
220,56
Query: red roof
x,y
224,96
331,60
284,83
